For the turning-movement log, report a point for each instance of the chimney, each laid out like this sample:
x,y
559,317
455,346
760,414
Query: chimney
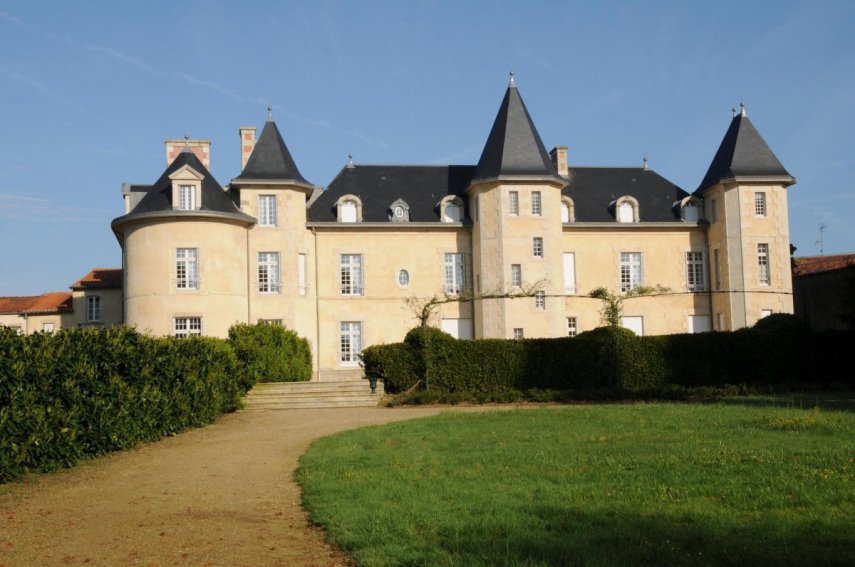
x,y
559,160
202,149
247,143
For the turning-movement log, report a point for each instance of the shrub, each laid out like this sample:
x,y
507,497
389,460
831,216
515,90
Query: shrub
x,y
270,353
395,364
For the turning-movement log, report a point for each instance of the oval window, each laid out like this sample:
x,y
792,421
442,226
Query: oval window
x,y
403,278
399,212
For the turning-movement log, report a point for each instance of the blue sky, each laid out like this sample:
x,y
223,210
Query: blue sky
x,y
91,89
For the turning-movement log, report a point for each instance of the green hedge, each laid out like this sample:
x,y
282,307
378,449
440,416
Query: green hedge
x,y
614,362
83,392
270,353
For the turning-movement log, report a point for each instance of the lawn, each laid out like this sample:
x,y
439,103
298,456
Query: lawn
x,y
634,484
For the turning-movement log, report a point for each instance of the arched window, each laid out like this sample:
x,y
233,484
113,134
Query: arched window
x,y
349,209
452,210
567,210
690,209
626,209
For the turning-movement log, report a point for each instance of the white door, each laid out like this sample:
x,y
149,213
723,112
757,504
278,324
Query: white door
x,y
699,323
634,324
570,273
457,328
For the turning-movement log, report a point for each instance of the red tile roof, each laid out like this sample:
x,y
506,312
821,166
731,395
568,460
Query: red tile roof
x,y
819,264
52,302
99,278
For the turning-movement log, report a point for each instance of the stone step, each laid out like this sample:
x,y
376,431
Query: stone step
x,y
310,405
296,395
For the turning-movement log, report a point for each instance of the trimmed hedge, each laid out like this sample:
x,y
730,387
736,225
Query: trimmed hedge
x,y
83,392
613,362
270,353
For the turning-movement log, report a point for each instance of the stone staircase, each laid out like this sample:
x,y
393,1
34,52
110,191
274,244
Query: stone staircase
x,y
312,395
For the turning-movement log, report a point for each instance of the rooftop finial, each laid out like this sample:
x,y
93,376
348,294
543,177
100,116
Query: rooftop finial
x,y
742,108
186,139
511,81
349,159
270,112
733,111
644,159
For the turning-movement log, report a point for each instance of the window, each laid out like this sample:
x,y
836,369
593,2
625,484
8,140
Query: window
x,y
695,276
275,322
634,324
516,275
47,327
267,210
186,268
186,197
713,210
537,247
539,300
186,326
570,273
514,202
630,271
760,204
699,323
350,342
717,266
452,211
268,272
301,274
519,333
571,326
351,274
565,211
93,308
454,275
625,212
691,211
536,205
403,278
721,322
765,313
763,264
347,212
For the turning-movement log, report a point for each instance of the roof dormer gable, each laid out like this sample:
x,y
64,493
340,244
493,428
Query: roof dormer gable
x,y
186,189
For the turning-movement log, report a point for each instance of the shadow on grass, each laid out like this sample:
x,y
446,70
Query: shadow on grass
x,y
578,537
839,401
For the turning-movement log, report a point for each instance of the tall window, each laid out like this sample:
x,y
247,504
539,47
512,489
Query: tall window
x,y
625,212
267,210
268,272
516,275
186,268
571,326
186,197
351,274
454,274
350,342
760,204
695,273
763,264
565,211
539,300
536,203
713,210
570,273
93,308
348,211
631,275
717,267
537,247
514,202
186,326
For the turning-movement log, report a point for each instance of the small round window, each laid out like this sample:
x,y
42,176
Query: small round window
x,y
403,278
399,212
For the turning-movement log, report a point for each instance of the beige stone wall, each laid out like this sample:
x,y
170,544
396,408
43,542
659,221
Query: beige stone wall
x,y
36,323
111,307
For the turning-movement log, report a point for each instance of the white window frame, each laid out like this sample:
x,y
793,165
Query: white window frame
x,y
540,300
267,210
93,308
696,273
349,342
454,272
760,209
536,203
186,197
403,278
268,273
516,275
537,246
519,333
764,271
350,274
48,327
572,326
631,271
186,268
186,326
514,203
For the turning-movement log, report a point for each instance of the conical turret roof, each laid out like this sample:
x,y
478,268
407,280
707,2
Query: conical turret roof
x,y
514,148
742,155
270,160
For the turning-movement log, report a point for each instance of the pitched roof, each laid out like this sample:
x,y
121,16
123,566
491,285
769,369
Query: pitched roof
x,y
99,278
378,186
743,153
51,302
594,190
270,159
809,265
514,147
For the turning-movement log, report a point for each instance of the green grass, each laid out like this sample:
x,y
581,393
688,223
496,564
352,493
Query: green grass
x,y
642,484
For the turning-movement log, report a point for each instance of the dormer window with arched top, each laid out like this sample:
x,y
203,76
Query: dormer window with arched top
x,y
568,210
349,209
691,209
399,211
451,209
186,189
626,209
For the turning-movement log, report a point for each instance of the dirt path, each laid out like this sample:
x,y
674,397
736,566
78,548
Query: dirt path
x,y
220,495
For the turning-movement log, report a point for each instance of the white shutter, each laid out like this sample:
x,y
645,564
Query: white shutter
x,y
634,324
570,273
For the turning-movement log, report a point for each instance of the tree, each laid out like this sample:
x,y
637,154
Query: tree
x,y
612,309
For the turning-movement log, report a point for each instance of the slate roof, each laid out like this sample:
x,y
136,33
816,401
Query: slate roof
x,y
51,302
159,196
810,265
743,153
594,190
99,278
514,147
378,186
270,159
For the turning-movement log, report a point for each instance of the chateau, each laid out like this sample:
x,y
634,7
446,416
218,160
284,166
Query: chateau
x,y
339,265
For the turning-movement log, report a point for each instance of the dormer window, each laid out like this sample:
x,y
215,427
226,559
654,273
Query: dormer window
x,y
399,211
567,210
626,209
186,197
451,209
691,209
349,209
186,189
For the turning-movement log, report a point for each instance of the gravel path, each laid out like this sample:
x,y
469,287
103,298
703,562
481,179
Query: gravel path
x,y
220,495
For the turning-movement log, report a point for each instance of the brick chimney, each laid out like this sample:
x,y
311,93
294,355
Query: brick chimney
x,y
202,149
559,160
247,143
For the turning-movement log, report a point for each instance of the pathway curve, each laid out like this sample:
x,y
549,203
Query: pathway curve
x,y
220,495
